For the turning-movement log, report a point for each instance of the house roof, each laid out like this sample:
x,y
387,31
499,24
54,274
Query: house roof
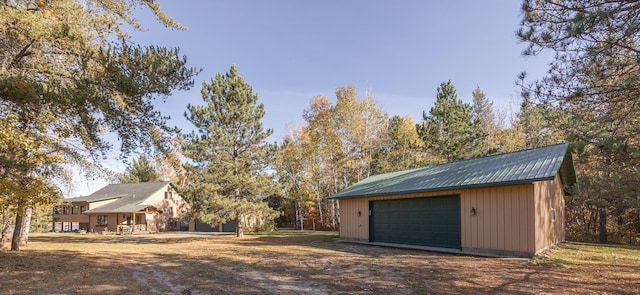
x,y
520,167
130,196
92,198
123,205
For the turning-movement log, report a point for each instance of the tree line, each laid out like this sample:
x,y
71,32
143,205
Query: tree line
x,y
343,143
70,75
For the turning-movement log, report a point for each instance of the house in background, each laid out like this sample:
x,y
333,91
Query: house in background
x,y
124,208
509,204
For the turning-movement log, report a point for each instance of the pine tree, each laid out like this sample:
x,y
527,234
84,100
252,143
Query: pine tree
x,y
536,126
450,130
140,170
229,153
483,111
69,74
593,85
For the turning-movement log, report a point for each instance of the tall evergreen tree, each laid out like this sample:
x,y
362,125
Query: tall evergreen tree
x,y
535,121
230,153
140,170
450,129
69,74
483,111
593,83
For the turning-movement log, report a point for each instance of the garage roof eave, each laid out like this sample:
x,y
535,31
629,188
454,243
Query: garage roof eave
x,y
526,166
481,185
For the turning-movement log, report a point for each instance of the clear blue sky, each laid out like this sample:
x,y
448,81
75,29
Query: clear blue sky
x,y
292,50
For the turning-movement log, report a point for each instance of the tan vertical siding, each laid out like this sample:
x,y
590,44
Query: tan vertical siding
x,y
354,226
531,221
523,217
471,227
515,219
508,219
500,236
480,219
504,219
493,200
465,221
549,195
522,220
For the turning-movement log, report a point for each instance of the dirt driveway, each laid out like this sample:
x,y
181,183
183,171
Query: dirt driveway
x,y
294,263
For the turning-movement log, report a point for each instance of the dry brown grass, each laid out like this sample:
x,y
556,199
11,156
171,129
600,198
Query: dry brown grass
x,y
294,263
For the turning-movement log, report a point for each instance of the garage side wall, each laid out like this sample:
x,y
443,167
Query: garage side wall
x,y
354,226
549,201
503,222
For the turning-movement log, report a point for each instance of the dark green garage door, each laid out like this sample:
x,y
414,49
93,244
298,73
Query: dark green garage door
x,y
433,221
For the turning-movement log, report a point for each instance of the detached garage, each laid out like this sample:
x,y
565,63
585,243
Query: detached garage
x,y
510,204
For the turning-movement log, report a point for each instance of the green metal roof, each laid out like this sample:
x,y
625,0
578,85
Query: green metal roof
x,y
525,166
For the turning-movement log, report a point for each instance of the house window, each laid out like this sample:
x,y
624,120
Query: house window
x,y
102,220
64,210
74,210
553,215
171,211
83,208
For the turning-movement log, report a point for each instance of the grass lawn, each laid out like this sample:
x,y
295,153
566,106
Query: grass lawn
x,y
299,263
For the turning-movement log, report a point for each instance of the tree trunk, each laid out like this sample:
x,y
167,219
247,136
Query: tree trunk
x,y
603,225
333,214
321,217
24,237
338,211
6,222
17,232
299,217
239,229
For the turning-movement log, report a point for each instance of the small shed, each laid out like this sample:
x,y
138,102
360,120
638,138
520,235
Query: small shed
x,y
508,204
